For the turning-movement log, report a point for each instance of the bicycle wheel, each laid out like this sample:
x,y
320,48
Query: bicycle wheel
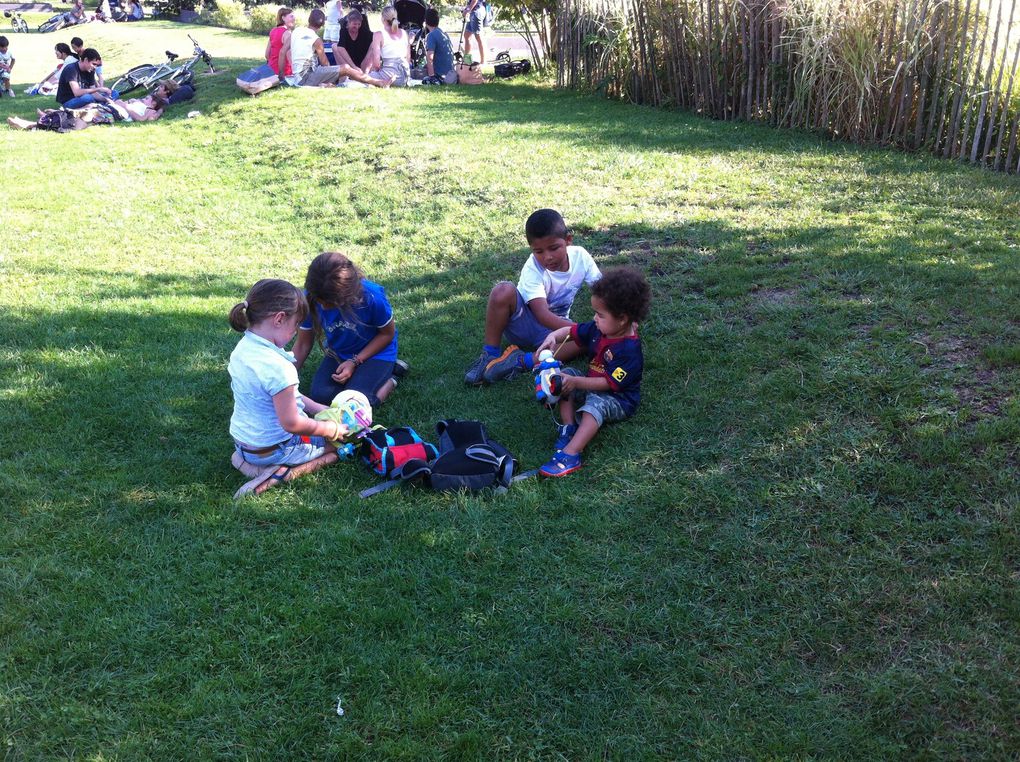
x,y
134,78
21,26
52,25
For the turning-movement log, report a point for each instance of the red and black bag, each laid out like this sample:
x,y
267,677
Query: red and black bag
x,y
385,451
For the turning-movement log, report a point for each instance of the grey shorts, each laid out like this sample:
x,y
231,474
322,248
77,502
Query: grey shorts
x,y
524,330
604,407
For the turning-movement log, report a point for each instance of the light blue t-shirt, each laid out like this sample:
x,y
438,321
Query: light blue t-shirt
x,y
259,370
347,333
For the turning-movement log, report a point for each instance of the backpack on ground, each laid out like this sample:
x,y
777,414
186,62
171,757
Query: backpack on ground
x,y
467,460
512,68
385,451
255,81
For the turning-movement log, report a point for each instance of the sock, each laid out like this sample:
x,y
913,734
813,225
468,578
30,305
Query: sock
x,y
491,350
527,360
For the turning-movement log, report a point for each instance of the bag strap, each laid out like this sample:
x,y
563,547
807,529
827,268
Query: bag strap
x,y
380,488
504,464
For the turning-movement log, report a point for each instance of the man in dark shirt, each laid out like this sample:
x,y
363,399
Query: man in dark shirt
x,y
356,39
77,84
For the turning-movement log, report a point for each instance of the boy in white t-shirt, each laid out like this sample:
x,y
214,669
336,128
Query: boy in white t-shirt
x,y
537,305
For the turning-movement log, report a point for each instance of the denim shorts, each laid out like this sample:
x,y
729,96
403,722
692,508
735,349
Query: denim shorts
x,y
293,452
604,407
524,330
476,19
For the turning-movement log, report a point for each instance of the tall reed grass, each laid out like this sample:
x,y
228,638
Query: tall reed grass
x,y
939,75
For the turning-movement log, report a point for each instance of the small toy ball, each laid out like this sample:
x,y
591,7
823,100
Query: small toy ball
x,y
356,413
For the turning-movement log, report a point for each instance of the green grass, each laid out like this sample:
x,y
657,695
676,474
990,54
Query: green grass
x,y
804,545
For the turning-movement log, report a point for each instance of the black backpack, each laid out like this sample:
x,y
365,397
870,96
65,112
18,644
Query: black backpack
x,y
467,460
512,69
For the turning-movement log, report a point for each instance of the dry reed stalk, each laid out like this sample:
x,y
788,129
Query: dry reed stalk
x,y
954,120
983,107
974,68
996,89
1006,102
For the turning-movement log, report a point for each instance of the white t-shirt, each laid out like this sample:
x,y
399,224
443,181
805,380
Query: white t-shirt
x,y
302,53
5,59
332,29
558,288
259,370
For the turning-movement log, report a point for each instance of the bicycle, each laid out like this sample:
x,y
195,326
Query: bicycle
x,y
60,21
147,76
19,24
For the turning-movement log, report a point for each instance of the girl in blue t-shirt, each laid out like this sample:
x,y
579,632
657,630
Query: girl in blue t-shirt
x,y
353,322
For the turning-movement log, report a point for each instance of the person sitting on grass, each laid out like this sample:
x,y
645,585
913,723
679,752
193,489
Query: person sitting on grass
x,y
6,66
77,86
356,39
48,86
611,390
284,25
538,304
274,439
391,50
438,50
134,11
308,58
356,320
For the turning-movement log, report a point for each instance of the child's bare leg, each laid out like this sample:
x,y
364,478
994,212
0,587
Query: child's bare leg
x,y
501,306
386,389
586,431
567,410
285,475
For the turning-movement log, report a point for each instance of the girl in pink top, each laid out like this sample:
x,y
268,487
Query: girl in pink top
x,y
284,24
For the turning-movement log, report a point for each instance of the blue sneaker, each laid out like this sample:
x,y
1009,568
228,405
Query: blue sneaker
x,y
505,367
561,464
567,431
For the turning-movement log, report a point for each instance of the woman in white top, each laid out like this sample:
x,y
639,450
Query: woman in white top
x,y
392,47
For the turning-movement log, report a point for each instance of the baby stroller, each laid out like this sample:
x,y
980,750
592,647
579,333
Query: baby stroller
x,y
411,18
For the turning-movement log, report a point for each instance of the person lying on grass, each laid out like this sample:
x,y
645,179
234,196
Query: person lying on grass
x,y
611,390
146,109
538,304
356,320
274,439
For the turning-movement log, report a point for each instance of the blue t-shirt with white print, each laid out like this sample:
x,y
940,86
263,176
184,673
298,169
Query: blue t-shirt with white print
x,y
349,331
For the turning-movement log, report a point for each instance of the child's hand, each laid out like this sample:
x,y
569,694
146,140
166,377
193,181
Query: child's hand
x,y
567,384
344,371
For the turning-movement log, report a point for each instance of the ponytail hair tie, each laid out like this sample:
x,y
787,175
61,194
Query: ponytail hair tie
x,y
244,304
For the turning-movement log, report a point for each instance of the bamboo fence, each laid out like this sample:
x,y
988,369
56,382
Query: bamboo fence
x,y
936,75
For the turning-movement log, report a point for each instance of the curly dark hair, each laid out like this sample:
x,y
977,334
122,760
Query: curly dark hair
x,y
624,291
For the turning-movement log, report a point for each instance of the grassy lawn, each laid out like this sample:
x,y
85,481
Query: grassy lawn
x,y
804,545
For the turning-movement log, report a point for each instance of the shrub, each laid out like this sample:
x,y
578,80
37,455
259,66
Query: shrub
x,y
229,14
262,18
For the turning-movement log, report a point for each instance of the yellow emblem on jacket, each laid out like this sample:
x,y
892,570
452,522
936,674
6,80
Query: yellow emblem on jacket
x,y
619,374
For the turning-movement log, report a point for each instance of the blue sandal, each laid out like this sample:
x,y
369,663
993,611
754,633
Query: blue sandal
x,y
561,464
